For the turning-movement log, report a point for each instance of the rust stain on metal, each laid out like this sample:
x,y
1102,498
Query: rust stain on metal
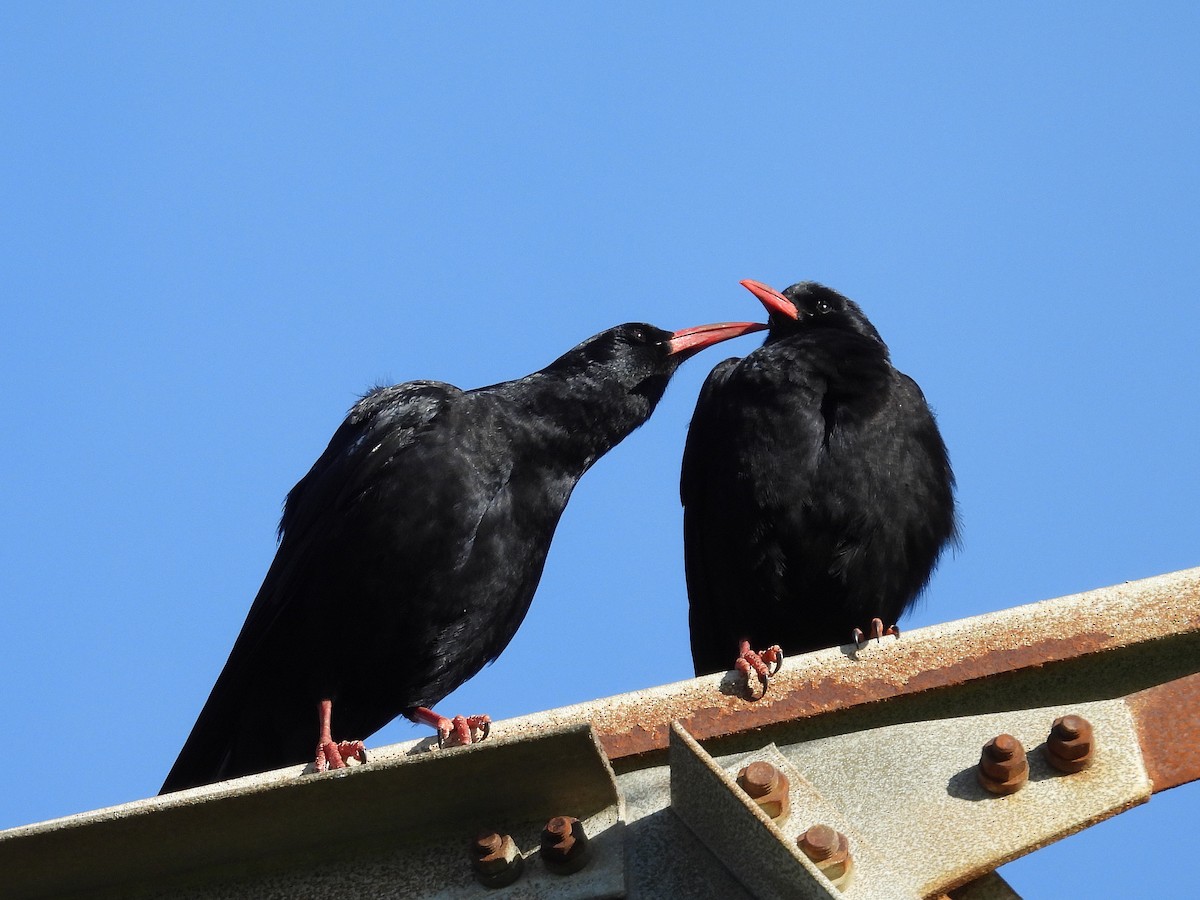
x,y
1169,731
636,740
793,697
965,651
924,659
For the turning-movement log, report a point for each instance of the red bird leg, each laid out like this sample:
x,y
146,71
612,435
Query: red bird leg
x,y
760,663
456,731
877,632
329,754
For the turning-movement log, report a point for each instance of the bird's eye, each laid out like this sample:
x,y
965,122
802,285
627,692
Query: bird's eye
x,y
824,306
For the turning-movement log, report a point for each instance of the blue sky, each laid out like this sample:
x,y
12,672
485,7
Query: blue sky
x,y
222,223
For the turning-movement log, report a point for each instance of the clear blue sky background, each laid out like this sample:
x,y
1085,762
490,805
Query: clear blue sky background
x,y
220,224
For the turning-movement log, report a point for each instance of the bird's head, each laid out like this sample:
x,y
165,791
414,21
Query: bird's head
x,y
808,305
637,360
643,358
605,387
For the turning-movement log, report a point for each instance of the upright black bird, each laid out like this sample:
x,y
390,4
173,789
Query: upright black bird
x,y
411,550
816,487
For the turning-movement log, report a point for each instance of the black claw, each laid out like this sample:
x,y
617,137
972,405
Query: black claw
x,y
750,695
487,729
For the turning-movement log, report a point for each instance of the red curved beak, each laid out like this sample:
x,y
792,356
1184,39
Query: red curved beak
x,y
774,301
693,340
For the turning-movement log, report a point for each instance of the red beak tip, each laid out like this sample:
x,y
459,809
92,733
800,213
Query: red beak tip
x,y
774,301
693,340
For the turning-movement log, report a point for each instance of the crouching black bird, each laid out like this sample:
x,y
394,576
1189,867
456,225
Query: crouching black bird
x,y
816,487
410,552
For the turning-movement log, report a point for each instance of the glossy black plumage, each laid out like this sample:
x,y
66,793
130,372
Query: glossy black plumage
x,y
411,550
817,490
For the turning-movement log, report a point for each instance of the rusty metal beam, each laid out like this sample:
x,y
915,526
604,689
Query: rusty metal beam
x,y
1149,616
1167,718
1126,657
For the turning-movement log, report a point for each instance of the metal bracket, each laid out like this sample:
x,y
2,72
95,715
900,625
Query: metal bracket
x,y
908,799
399,826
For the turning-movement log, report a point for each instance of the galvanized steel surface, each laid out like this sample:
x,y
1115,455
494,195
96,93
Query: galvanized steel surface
x,y
887,737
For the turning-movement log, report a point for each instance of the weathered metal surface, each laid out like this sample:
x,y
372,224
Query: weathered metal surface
x,y
751,845
989,887
663,857
907,796
401,825
911,793
1021,639
398,827
1168,726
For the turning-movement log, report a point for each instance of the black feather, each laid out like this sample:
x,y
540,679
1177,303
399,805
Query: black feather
x,y
411,550
817,490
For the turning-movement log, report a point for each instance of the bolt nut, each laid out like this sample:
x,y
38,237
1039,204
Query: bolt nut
x,y
768,787
495,858
829,851
1003,766
1070,744
565,848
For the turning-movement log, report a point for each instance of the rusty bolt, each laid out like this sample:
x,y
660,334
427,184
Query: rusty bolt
x,y
768,787
1070,744
1003,768
565,848
495,858
829,850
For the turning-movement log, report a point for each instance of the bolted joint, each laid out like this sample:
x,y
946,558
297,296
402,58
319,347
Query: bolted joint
x,y
565,848
768,787
1003,766
1070,744
829,851
495,858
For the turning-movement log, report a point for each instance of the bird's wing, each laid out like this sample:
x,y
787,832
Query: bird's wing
x,y
710,649
379,428
932,478
389,428
384,431
750,461
702,431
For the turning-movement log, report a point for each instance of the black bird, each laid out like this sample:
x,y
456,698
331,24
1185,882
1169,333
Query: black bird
x,y
816,487
410,552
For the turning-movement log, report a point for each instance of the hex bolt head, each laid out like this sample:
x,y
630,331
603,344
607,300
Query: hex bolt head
x,y
565,848
1070,744
486,843
495,858
829,850
768,787
758,778
1003,767
819,843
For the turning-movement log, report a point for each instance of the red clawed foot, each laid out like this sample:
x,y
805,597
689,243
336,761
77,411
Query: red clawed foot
x,y
760,662
877,632
456,731
334,756
331,755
